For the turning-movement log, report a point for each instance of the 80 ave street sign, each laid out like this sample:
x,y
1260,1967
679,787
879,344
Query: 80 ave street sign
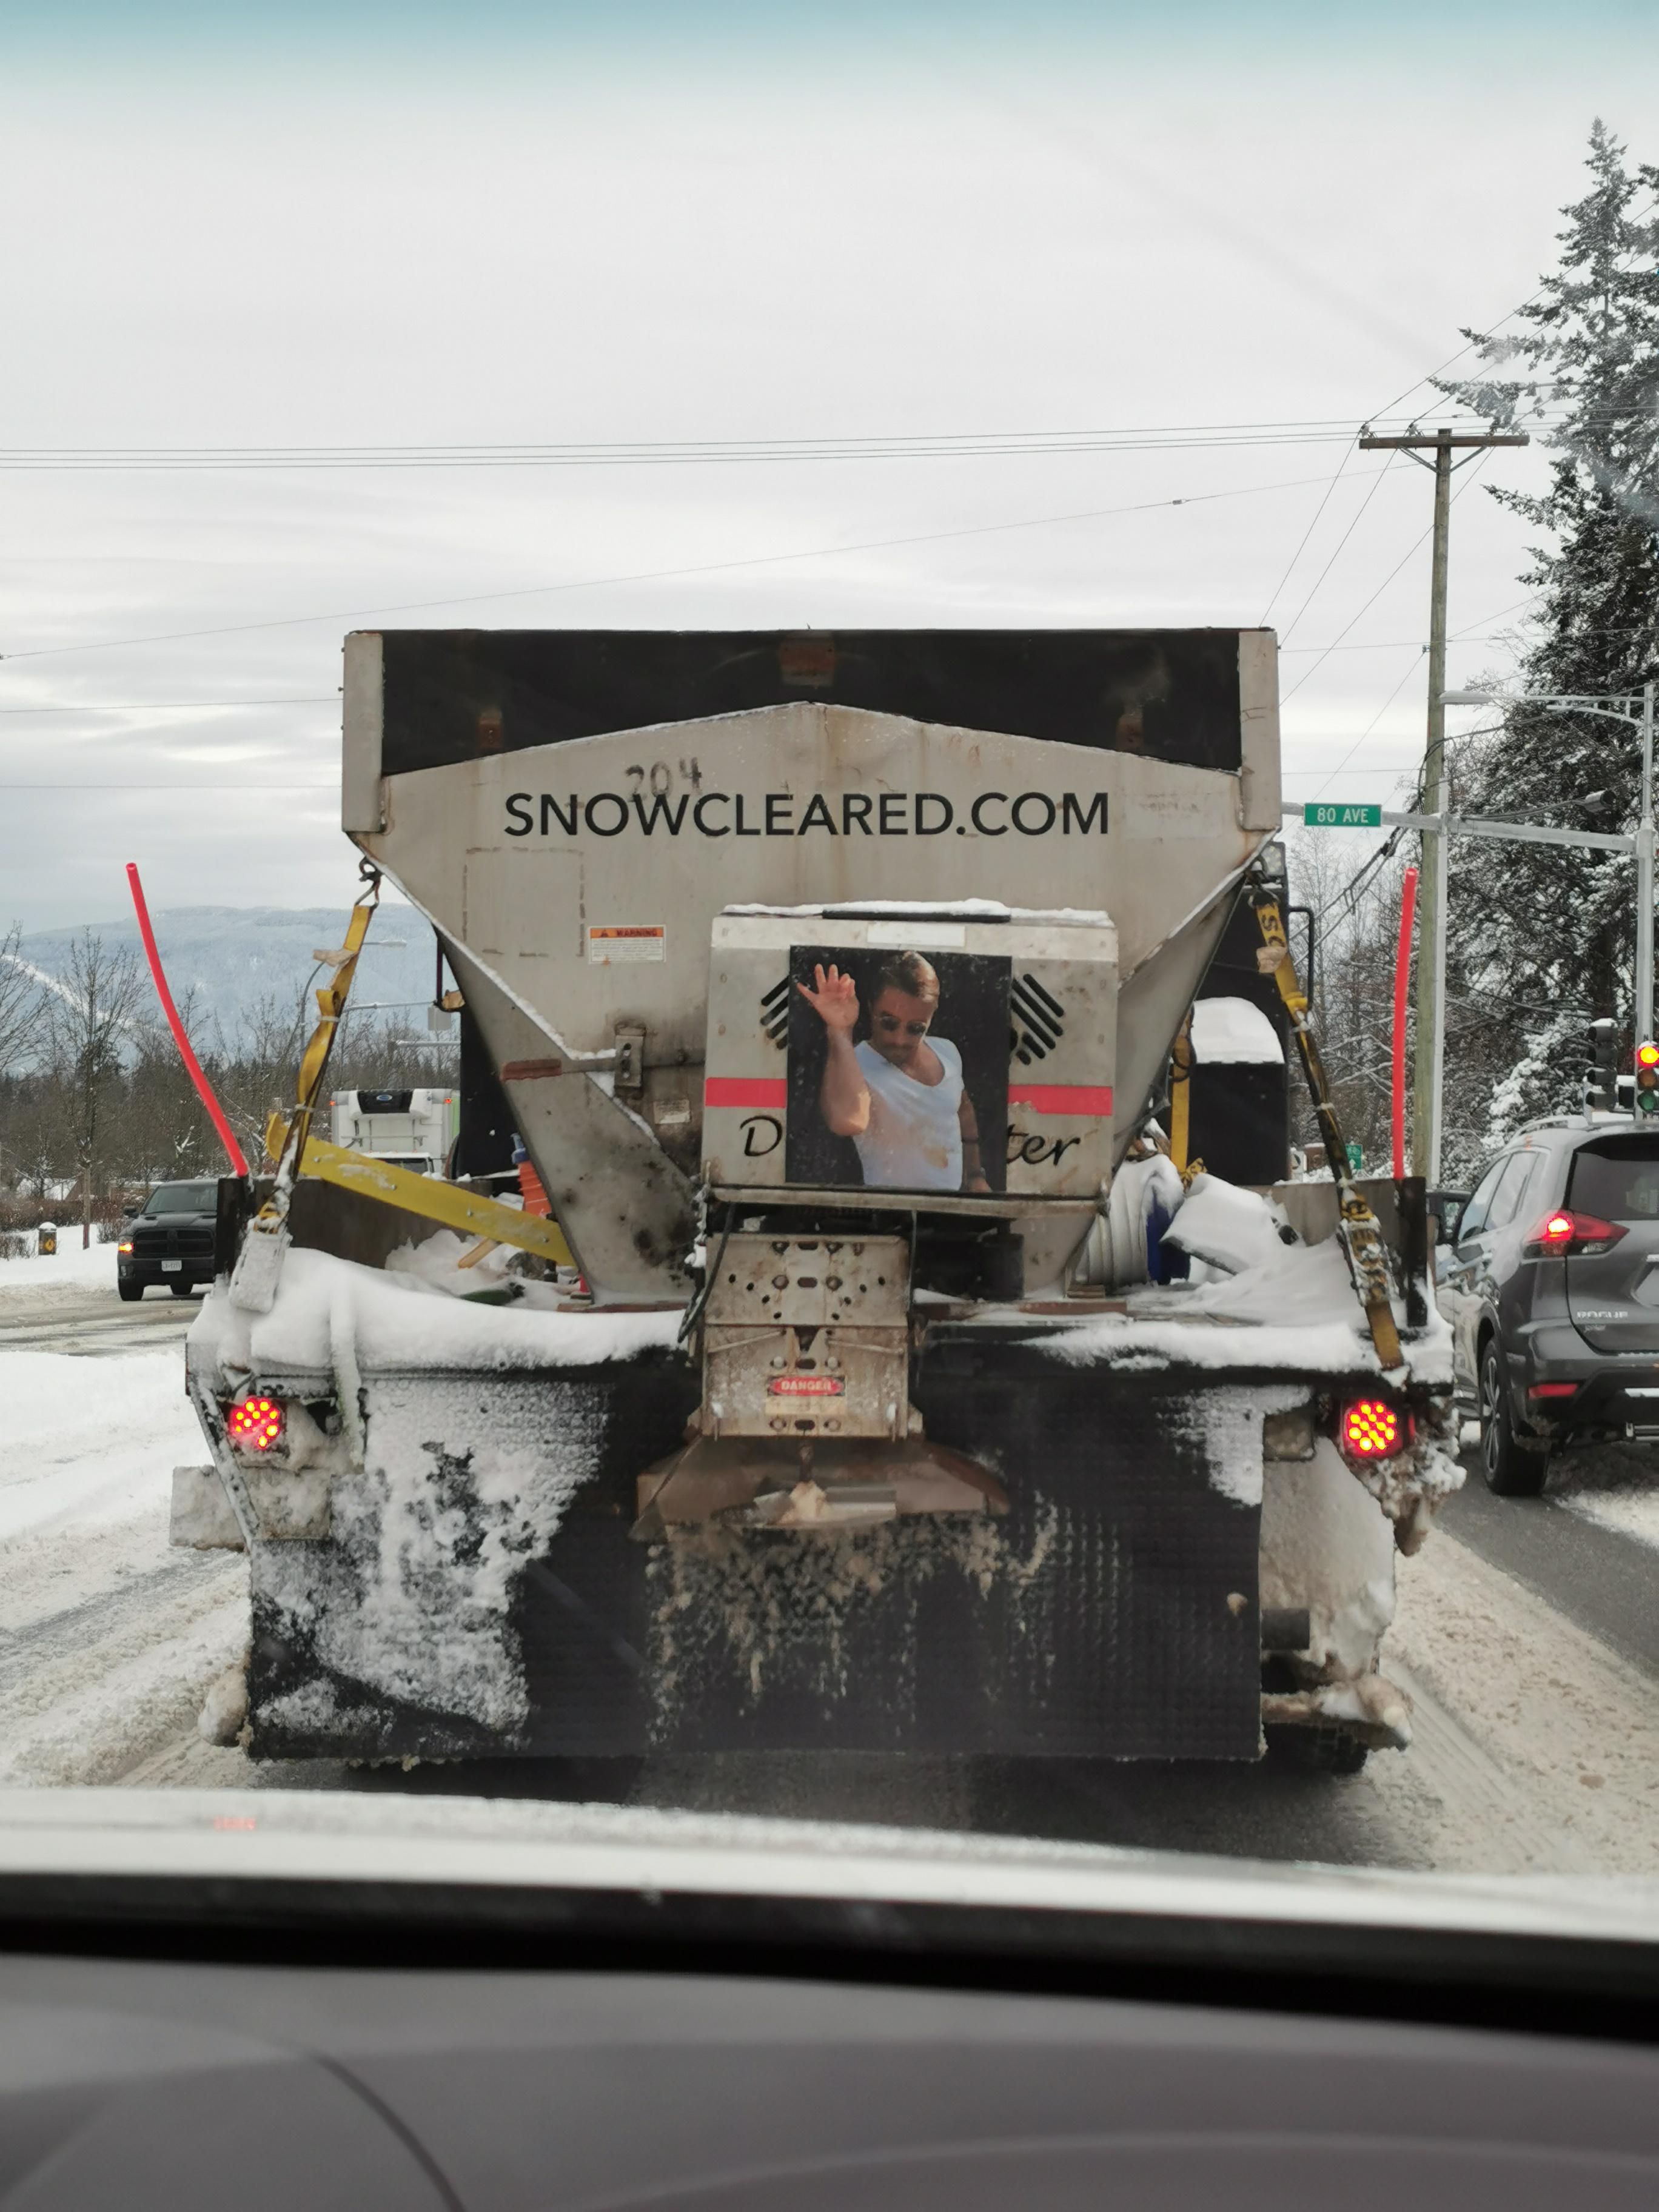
x,y
1327,816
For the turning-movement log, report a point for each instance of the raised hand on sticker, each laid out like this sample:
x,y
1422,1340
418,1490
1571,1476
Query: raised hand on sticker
x,y
834,998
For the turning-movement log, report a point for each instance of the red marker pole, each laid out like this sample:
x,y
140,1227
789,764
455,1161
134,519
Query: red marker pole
x,y
203,1088
1402,961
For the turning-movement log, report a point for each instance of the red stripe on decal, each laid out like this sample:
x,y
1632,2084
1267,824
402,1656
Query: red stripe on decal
x,y
1062,1098
746,1090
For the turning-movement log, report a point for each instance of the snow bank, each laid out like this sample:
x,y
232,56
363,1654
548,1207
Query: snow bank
x,y
1228,1227
68,1266
89,1440
332,1314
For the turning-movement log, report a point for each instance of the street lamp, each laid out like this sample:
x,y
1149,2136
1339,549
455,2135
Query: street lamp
x,y
1634,710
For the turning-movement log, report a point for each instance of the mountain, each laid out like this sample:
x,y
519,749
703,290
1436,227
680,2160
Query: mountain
x,y
230,958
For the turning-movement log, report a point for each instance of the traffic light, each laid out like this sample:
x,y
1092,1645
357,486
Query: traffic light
x,y
1646,1078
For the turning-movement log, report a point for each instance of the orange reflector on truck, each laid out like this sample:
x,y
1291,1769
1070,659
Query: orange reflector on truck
x,y
1371,1429
805,1386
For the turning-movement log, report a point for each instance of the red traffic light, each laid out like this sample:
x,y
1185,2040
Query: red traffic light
x,y
255,1424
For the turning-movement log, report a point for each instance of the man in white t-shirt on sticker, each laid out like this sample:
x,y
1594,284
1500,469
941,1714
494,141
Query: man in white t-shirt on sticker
x,y
899,1095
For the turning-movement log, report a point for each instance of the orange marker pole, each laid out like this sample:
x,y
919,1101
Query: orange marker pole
x,y
193,1067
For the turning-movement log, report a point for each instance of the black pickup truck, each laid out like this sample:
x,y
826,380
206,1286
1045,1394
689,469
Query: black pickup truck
x,y
169,1240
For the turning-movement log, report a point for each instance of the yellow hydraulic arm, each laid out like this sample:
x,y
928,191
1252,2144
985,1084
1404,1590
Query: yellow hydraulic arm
x,y
1362,1240
294,1151
470,1211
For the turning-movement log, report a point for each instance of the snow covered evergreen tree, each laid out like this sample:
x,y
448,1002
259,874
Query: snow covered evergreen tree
x,y
1541,937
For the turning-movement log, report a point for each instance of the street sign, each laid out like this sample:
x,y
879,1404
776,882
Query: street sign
x,y
1327,816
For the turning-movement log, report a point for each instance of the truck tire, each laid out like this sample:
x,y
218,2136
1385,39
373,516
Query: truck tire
x,y
181,1290
1316,1751
130,1290
1510,1469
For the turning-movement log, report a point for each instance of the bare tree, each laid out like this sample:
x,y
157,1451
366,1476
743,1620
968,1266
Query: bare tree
x,y
99,994
21,1011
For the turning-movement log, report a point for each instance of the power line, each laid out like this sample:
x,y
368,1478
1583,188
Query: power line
x,y
661,576
667,453
91,790
1480,464
1340,542
1290,566
168,706
1409,671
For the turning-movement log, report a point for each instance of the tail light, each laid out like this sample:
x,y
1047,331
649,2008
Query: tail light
x,y
1370,1428
1557,1234
255,1424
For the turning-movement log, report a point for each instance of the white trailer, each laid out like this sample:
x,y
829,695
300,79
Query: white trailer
x,y
410,1129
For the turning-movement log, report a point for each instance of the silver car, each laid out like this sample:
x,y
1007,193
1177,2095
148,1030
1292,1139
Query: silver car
x,y
1550,1280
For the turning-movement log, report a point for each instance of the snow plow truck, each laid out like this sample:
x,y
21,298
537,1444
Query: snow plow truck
x,y
877,1378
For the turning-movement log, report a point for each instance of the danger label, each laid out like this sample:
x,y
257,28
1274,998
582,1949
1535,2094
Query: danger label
x,y
805,1386
637,941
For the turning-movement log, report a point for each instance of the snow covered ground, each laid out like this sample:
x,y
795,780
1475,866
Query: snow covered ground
x,y
108,1637
67,1268
1617,1486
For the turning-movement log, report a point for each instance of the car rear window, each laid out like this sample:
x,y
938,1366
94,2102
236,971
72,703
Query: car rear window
x,y
184,1198
1618,1179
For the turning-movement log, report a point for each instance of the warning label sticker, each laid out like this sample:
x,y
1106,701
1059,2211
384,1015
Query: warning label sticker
x,y
639,940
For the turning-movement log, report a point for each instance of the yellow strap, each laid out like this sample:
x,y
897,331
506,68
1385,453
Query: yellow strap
x,y
1181,1095
331,1005
1361,1238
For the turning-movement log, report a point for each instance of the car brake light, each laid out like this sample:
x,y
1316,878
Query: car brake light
x,y
255,1424
1552,1389
1562,1233
1372,1429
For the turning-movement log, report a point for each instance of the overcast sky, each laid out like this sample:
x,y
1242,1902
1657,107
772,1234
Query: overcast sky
x,y
486,226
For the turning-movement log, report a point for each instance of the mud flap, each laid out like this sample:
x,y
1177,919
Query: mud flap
x,y
481,1591
1112,1612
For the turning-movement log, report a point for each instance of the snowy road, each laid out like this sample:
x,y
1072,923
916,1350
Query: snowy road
x,y
1528,1636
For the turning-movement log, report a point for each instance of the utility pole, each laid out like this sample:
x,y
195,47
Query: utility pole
x,y
1430,1070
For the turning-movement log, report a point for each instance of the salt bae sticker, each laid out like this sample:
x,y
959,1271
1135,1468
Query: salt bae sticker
x,y
898,1069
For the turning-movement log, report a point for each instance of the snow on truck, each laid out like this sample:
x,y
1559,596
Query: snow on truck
x,y
836,988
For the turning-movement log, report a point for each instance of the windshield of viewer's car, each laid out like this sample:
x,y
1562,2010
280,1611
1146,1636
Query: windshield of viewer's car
x,y
689,697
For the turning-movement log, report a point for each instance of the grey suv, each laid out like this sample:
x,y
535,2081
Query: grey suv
x,y
1551,1286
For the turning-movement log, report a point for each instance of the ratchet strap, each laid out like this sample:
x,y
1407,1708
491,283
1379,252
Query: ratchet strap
x,y
1362,1240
